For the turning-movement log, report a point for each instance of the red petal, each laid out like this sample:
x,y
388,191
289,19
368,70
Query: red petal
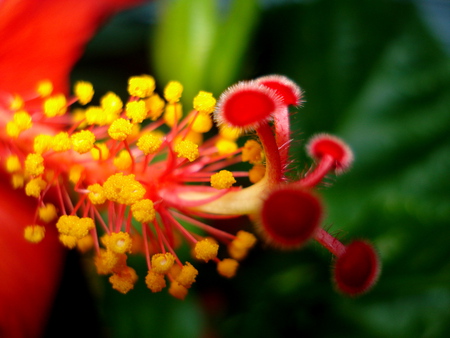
x,y
29,272
43,39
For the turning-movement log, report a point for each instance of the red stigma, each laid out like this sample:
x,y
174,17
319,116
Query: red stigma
x,y
357,269
288,91
322,145
247,105
290,216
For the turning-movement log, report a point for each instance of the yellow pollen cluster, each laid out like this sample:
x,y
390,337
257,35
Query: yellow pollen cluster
x,y
173,91
35,186
61,142
96,115
162,263
120,129
119,242
143,211
227,267
222,180
149,143
123,189
202,123
252,152
111,103
124,280
173,114
100,152
204,102
34,164
155,281
96,194
187,149
55,106
257,173
141,86
83,141
13,164
47,213
123,160
136,111
72,228
16,103
155,106
206,249
44,88
240,246
34,233
42,143
84,91
187,275
226,147
229,132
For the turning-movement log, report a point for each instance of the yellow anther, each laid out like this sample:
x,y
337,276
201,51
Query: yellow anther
x,y
111,103
124,280
35,186
12,129
143,211
155,281
73,226
227,267
95,115
17,180
107,261
83,141
206,249
84,91
225,146
229,132
96,194
256,173
141,86
42,143
34,164
47,213
120,129
75,173
239,247
244,239
16,103
100,151
224,179
55,105
44,88
202,123
162,263
66,223
85,244
61,142
252,152
187,275
187,149
34,233
172,114
23,120
123,160
119,242
79,117
136,111
123,189
177,290
173,91
155,106
149,143
204,102
68,241
13,164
